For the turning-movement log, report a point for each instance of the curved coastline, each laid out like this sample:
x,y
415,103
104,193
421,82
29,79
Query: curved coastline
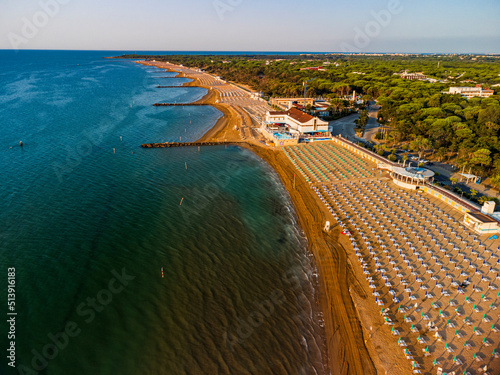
x,y
349,349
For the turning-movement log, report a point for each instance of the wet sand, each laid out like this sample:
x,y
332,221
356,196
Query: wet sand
x,y
358,338
347,353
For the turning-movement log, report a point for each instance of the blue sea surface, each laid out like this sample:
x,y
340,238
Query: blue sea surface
x,y
142,261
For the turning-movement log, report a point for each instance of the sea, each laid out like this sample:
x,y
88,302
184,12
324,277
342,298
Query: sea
x,y
116,259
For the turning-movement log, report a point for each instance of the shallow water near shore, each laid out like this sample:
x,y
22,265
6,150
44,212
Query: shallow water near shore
x,y
169,261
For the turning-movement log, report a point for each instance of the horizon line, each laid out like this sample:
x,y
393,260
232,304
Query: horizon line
x,y
256,51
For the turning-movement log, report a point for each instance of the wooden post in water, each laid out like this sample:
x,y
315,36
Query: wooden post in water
x,y
294,181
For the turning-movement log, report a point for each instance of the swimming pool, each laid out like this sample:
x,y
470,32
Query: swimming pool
x,y
282,136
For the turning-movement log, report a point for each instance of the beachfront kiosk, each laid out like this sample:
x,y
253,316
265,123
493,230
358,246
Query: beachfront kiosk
x,y
411,177
484,221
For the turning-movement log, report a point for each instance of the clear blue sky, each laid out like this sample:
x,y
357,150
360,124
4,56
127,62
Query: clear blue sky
x,y
253,25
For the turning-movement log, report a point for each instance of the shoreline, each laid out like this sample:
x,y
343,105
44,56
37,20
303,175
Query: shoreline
x,y
211,97
348,351
343,333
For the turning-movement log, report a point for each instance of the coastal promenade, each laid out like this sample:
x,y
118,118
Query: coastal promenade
x,y
403,286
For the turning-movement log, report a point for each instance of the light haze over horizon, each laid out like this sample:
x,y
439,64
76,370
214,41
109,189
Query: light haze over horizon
x,y
447,26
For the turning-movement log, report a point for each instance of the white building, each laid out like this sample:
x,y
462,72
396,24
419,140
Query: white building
x,y
408,177
297,121
483,222
414,76
470,92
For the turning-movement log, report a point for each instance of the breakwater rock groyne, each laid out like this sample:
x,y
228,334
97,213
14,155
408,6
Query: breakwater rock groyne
x,y
177,104
183,144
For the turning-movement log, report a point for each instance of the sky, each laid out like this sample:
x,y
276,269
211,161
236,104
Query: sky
x,y
426,26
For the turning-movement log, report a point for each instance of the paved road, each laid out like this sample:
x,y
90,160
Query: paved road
x,y
345,126
372,126
447,171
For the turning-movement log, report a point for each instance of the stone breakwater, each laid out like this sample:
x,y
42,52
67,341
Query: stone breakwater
x,y
183,144
178,104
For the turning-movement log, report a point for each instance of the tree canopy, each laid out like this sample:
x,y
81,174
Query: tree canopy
x,y
416,112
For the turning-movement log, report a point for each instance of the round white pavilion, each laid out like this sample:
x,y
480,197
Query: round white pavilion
x,y
411,177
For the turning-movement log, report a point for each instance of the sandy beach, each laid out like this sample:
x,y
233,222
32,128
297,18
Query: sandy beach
x,y
347,351
415,332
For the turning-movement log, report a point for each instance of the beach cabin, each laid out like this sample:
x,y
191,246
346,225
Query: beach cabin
x,y
481,221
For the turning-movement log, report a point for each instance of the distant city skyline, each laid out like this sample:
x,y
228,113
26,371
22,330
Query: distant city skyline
x,y
241,25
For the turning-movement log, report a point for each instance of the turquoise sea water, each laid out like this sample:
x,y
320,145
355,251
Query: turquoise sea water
x,y
89,220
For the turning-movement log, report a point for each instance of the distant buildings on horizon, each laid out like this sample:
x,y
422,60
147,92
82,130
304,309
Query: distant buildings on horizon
x,y
470,92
